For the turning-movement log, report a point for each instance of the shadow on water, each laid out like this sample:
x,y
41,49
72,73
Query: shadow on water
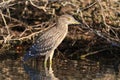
x,y
12,68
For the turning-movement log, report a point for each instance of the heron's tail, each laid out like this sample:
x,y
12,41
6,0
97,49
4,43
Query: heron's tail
x,y
31,53
27,56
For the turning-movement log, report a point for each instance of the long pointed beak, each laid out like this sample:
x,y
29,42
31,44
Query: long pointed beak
x,y
76,22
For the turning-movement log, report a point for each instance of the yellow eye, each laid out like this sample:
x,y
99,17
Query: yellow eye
x,y
68,19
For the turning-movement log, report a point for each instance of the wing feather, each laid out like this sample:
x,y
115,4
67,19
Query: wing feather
x,y
45,41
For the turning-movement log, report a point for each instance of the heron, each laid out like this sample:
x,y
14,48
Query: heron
x,y
50,39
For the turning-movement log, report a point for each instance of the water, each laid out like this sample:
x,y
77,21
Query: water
x,y
15,69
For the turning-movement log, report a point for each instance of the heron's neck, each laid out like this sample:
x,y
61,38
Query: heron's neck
x,y
62,25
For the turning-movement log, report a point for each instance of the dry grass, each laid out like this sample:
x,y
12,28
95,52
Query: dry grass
x,y
22,20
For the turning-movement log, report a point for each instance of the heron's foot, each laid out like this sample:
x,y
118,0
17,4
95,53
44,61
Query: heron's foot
x,y
50,69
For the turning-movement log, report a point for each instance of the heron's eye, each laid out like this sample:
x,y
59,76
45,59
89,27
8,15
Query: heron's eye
x,y
68,19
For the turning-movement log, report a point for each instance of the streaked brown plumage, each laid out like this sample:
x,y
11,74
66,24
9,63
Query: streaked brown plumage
x,y
50,39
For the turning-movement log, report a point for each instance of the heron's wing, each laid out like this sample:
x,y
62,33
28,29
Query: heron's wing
x,y
46,41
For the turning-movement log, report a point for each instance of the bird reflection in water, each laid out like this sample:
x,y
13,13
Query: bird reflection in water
x,y
40,75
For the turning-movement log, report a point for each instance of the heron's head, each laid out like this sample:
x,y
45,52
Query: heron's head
x,y
67,19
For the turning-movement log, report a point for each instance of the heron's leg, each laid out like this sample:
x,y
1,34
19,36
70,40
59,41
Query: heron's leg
x,y
45,62
51,56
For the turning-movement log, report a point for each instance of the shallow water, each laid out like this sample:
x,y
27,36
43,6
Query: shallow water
x,y
15,69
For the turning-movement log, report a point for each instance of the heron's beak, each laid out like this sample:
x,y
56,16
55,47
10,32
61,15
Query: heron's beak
x,y
76,22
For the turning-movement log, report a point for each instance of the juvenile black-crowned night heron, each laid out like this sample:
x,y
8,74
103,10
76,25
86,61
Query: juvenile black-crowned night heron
x,y
50,39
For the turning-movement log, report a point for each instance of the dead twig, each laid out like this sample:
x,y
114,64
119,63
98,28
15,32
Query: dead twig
x,y
83,57
40,7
